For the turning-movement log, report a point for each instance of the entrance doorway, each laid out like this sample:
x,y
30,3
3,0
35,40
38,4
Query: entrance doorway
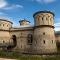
x,y
14,43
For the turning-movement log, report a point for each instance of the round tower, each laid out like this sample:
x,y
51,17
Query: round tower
x,y
24,22
44,37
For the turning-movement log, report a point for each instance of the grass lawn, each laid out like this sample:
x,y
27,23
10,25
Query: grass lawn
x,y
18,56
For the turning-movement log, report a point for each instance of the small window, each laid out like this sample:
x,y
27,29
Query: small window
x,y
38,18
3,24
7,25
42,18
44,41
3,41
44,33
52,41
50,19
0,24
46,18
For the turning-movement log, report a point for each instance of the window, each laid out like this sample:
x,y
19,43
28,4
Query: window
x,y
44,41
3,24
38,18
52,41
50,19
3,41
7,25
46,18
30,39
42,18
43,33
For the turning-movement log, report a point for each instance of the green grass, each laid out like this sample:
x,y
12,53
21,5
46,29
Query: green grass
x,y
39,58
19,56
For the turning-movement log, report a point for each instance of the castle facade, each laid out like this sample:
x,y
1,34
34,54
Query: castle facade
x,y
40,38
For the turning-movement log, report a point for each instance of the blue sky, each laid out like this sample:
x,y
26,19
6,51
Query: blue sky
x,y
24,9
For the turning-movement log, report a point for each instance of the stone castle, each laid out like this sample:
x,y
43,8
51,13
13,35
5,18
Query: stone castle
x,y
40,38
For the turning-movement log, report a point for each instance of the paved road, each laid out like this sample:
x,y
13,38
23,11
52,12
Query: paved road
x,y
6,59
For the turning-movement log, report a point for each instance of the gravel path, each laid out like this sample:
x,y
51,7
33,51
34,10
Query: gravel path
x,y
6,59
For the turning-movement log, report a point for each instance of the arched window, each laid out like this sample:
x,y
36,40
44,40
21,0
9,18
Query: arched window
x,y
30,39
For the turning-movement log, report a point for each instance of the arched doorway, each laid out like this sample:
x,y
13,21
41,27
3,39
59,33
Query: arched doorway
x,y
14,40
14,43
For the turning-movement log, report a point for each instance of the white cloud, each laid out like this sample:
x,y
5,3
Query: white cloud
x,y
57,24
44,1
19,6
49,1
57,29
13,7
5,5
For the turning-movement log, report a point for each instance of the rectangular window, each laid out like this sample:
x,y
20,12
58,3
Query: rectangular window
x,y
43,33
44,41
52,41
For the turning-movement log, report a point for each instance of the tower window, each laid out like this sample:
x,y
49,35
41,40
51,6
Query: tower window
x,y
7,25
50,19
44,33
44,41
3,24
46,18
3,41
42,18
38,18
52,41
